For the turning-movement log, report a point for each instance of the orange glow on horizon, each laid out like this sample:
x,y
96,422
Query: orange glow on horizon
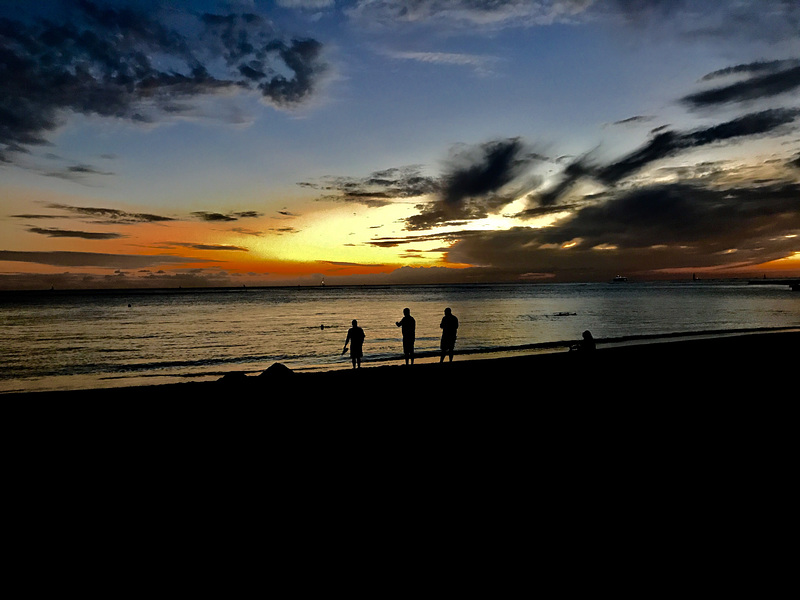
x,y
789,266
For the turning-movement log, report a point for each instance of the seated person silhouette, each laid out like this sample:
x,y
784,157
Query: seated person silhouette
x,y
585,345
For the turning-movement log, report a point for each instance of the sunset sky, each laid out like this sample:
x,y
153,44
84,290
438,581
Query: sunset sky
x,y
246,142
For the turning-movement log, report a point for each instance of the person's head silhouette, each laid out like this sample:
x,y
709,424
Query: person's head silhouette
x,y
355,323
406,311
447,311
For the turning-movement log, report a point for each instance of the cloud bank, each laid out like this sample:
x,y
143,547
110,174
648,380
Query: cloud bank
x,y
123,63
643,213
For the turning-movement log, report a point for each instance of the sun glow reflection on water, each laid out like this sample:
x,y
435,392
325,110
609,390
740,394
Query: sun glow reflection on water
x,y
125,338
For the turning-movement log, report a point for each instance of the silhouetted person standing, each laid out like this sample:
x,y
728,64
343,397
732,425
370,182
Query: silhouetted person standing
x,y
409,327
449,327
355,335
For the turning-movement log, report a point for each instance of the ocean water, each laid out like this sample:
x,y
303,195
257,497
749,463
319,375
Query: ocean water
x,y
75,340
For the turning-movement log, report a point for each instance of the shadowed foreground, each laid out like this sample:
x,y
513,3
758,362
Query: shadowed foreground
x,y
648,462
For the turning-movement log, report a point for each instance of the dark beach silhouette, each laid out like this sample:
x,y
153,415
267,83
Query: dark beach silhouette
x,y
449,326
355,337
409,326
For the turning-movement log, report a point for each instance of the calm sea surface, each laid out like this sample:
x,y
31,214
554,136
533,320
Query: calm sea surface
x,y
74,340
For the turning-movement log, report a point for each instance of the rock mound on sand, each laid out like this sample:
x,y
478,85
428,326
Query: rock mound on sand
x,y
234,377
277,370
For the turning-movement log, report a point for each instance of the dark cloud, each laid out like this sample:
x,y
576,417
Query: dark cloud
x,y
577,169
651,228
87,170
350,264
211,216
666,144
231,216
92,259
208,246
34,216
479,180
681,214
65,233
483,170
670,143
770,66
135,278
245,231
756,87
634,120
377,189
247,214
110,215
77,172
302,57
450,237
120,62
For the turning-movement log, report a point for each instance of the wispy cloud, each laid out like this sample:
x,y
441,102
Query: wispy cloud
x,y
463,14
306,4
66,233
225,217
378,189
214,247
757,86
77,173
670,143
477,181
109,215
94,259
480,64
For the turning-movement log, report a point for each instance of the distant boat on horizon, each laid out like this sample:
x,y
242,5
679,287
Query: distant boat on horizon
x,y
620,279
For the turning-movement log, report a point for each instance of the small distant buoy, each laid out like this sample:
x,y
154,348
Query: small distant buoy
x,y
129,305
322,326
